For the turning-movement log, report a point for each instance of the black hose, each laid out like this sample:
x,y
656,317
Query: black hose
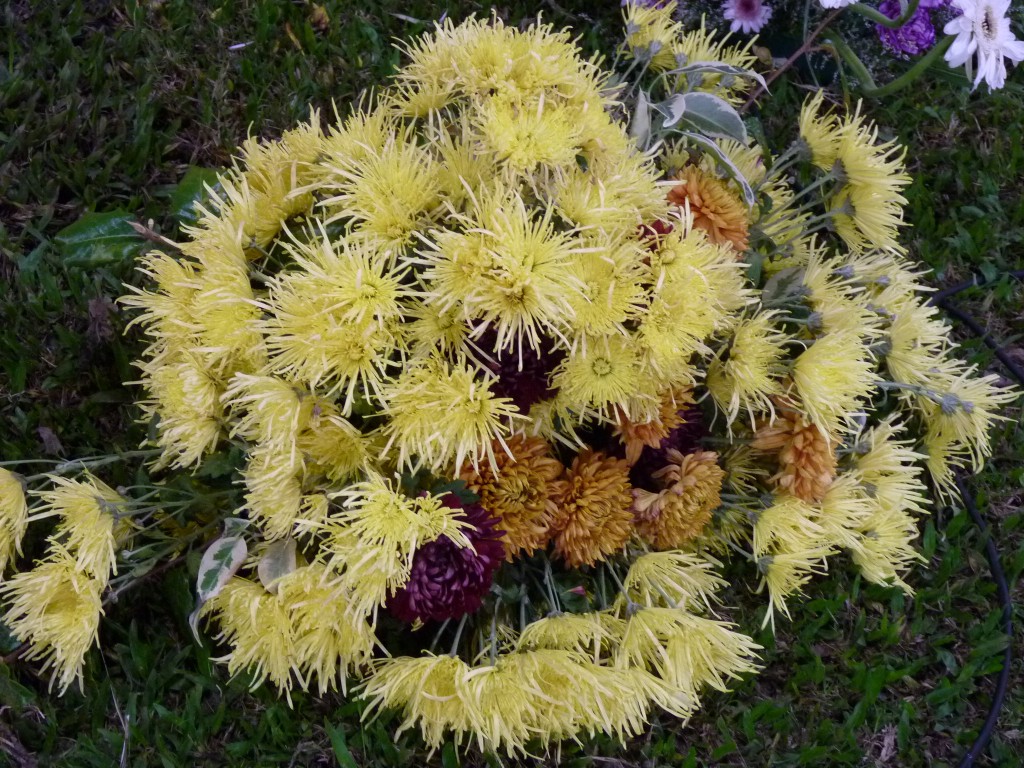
x,y
1004,598
939,299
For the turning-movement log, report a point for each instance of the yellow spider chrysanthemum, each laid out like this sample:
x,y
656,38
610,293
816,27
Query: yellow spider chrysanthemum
x,y
743,375
13,517
330,641
820,132
652,34
884,550
700,44
833,377
588,634
55,607
785,526
708,653
685,580
785,573
268,410
508,271
333,446
605,376
185,397
388,195
611,290
525,136
93,522
441,415
867,218
273,481
259,630
967,407
424,690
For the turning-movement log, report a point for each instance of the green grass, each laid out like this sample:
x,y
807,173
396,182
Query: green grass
x,y
105,108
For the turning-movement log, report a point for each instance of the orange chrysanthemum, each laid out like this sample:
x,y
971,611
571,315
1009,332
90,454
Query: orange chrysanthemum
x,y
635,437
594,518
807,459
678,513
522,489
716,209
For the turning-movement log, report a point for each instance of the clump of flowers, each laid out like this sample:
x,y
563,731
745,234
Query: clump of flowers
x,y
501,378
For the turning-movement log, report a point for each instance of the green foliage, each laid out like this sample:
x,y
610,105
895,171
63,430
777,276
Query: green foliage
x,y
112,111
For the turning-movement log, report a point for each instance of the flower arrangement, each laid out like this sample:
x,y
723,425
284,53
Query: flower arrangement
x,y
505,380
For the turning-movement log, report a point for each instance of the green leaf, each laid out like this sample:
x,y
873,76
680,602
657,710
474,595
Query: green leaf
x,y
705,113
340,747
191,190
99,239
719,68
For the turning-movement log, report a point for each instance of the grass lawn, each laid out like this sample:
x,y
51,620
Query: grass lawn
x,y
105,106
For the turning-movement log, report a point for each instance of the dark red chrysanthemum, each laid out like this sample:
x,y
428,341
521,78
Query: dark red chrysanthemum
x,y
524,379
685,438
447,580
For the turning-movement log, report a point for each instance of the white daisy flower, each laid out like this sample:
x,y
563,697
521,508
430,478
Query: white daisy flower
x,y
983,29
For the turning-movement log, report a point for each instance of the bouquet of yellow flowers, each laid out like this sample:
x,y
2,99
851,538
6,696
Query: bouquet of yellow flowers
x,y
507,362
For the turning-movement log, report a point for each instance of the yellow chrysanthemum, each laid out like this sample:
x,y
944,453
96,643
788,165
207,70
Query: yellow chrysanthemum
x,y
55,607
524,136
441,415
604,376
259,630
672,579
833,377
785,573
508,271
388,195
585,633
594,519
330,640
820,132
93,522
13,517
651,35
743,375
787,525
185,397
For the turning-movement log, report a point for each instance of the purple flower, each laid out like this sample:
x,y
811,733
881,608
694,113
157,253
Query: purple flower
x,y
522,378
446,580
747,16
685,438
913,38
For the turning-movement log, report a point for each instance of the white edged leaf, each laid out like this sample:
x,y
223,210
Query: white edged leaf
x,y
277,561
220,562
707,114
719,68
640,125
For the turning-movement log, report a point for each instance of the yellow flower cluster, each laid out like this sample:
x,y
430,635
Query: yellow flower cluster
x,y
472,348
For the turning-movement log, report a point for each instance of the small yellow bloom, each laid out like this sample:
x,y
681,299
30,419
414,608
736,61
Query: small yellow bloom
x,y
13,517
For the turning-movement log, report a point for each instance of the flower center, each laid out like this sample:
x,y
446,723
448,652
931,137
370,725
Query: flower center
x,y
750,7
989,23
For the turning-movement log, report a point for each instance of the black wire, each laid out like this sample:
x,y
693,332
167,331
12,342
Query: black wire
x,y
977,280
1004,598
991,551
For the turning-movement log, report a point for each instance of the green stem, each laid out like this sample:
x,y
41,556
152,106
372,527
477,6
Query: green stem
x,y
867,83
458,635
880,18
